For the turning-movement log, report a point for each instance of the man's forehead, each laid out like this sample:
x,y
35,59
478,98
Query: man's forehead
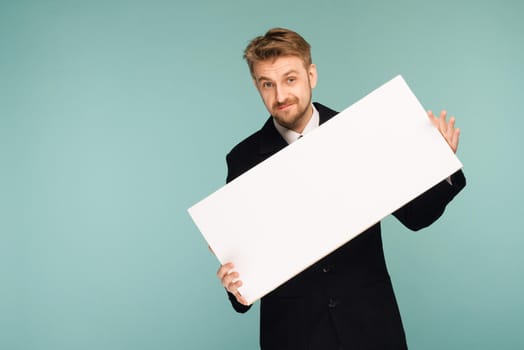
x,y
278,66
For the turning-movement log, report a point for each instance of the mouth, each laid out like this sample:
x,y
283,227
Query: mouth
x,y
284,106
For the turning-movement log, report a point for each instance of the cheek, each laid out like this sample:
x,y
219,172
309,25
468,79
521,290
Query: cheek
x,y
268,101
303,93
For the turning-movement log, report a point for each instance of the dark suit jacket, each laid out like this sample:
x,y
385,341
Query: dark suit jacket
x,y
347,297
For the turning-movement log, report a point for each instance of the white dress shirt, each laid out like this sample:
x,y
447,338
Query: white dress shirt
x,y
291,135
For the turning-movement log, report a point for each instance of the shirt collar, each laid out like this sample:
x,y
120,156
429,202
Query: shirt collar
x,y
291,135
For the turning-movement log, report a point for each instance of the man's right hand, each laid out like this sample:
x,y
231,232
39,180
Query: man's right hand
x,y
230,280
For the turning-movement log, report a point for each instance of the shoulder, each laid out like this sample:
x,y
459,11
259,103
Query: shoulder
x,y
248,152
246,147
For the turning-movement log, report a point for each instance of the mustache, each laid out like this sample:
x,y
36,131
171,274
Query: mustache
x,y
287,101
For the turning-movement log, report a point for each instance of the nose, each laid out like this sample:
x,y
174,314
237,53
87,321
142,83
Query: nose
x,y
280,93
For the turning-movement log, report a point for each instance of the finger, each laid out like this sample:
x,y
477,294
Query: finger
x,y
224,270
455,140
453,134
450,129
432,118
442,122
230,279
241,299
233,286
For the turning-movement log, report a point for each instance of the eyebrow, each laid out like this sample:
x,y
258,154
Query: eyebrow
x,y
290,72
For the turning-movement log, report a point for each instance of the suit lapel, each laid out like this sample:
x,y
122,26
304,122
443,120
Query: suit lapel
x,y
270,139
324,112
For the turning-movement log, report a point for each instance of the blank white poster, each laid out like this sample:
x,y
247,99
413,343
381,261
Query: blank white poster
x,y
315,195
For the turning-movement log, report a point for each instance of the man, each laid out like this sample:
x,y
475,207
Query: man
x,y
345,300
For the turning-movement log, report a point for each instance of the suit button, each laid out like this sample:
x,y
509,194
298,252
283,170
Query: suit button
x,y
333,303
328,268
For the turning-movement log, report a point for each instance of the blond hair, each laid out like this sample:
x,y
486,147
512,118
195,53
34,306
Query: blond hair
x,y
277,42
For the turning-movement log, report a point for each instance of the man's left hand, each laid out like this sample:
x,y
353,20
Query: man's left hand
x,y
446,128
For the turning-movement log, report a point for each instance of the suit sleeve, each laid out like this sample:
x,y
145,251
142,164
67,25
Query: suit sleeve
x,y
241,308
429,206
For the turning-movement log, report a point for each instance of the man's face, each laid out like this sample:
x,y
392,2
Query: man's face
x,y
285,86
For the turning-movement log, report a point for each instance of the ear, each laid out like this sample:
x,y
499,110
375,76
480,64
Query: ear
x,y
313,76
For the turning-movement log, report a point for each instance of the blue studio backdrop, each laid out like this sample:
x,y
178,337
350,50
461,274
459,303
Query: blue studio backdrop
x,y
115,117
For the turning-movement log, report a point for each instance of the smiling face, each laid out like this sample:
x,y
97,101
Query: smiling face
x,y
285,85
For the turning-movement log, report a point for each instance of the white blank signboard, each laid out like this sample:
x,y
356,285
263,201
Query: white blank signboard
x,y
315,195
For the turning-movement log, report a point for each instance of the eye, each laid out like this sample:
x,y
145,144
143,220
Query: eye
x,y
291,80
267,84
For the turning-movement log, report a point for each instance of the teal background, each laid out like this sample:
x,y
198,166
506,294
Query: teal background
x,y
115,117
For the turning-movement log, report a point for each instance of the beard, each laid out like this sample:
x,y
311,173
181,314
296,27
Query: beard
x,y
296,118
